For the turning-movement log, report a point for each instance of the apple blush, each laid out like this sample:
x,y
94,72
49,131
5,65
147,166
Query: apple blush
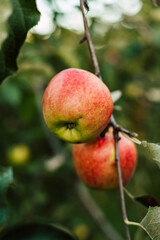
x,y
77,105
95,161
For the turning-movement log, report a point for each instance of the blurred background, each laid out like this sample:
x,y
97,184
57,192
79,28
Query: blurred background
x,y
126,36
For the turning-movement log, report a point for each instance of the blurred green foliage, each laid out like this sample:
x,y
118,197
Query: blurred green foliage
x,y
17,17
38,231
45,186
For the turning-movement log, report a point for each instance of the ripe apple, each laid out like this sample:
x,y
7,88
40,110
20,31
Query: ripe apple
x,y
77,105
95,161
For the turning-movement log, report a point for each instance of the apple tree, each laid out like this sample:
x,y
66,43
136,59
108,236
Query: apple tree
x,y
40,194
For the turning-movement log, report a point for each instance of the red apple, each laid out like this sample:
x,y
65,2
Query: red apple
x,y
95,161
77,105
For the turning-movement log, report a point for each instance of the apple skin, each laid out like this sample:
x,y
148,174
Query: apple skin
x,y
95,161
77,105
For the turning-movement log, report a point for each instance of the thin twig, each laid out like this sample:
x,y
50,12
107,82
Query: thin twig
x,y
116,139
112,121
96,213
87,37
120,129
89,41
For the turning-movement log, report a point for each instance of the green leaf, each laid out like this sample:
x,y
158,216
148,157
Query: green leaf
x,y
150,224
146,200
154,150
17,18
6,178
141,235
38,231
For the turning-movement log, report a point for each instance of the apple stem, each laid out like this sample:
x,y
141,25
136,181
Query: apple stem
x,y
112,122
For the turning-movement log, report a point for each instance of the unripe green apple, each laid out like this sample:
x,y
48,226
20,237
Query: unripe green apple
x,y
18,154
77,105
95,161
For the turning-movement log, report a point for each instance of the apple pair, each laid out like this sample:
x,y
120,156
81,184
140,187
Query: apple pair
x,y
77,106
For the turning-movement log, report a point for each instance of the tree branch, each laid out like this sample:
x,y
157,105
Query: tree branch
x,y
123,205
116,127
89,41
96,213
113,123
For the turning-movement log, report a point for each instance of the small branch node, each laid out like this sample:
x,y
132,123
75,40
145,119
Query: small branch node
x,y
120,129
126,221
83,39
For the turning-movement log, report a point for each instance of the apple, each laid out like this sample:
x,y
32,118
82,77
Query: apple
x,y
95,161
82,231
18,154
77,105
